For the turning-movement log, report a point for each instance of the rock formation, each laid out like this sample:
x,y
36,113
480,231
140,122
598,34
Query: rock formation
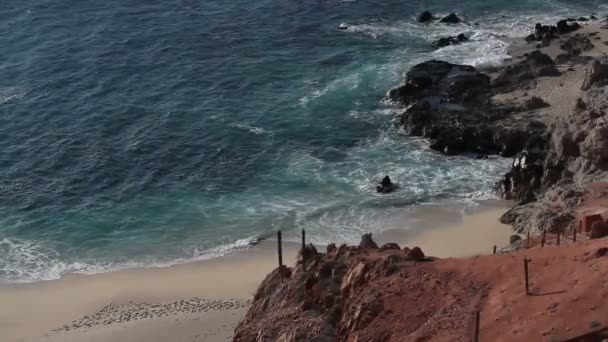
x,y
452,40
549,182
452,106
452,18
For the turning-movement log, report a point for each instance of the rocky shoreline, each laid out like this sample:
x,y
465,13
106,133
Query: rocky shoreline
x,y
558,143
545,109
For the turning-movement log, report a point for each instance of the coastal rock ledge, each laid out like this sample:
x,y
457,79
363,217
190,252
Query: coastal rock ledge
x,y
452,105
338,295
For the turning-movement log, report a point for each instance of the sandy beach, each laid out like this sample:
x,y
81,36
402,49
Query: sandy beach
x,y
201,301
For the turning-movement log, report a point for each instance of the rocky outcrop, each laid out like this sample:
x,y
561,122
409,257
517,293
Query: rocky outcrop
x,y
523,74
356,295
575,45
452,106
452,18
547,33
452,40
552,179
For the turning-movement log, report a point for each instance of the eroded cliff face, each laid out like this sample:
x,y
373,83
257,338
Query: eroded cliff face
x,y
550,183
359,293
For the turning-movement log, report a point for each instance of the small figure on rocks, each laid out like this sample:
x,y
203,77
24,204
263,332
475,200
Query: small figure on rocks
x,y
385,186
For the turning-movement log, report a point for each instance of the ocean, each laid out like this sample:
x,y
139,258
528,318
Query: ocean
x,y
149,133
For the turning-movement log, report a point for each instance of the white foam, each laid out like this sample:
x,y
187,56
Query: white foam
x,y
23,261
11,93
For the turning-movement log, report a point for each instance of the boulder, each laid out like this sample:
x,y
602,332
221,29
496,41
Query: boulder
x,y
416,254
452,40
385,186
367,242
452,18
599,230
564,26
425,17
434,79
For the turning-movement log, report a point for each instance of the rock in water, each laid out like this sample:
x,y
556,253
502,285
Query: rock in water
x,y
385,186
452,40
425,17
343,26
452,18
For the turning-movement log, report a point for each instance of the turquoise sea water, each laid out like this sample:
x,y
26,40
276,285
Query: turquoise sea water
x,y
137,133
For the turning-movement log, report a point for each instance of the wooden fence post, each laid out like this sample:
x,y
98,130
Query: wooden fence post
x,y
280,248
494,251
526,275
558,236
574,237
476,334
303,240
542,242
528,241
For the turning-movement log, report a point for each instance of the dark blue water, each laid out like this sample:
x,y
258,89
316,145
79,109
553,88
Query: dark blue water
x,y
153,132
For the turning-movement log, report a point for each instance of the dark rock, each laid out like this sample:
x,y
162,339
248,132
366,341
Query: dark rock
x,y
514,239
390,246
531,38
309,252
583,19
326,270
452,18
452,40
535,103
385,186
367,242
599,230
425,17
310,282
416,254
592,17
563,26
440,79
537,64
575,45
331,248
328,301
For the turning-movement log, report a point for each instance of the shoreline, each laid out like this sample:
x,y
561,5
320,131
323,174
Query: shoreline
x,y
205,297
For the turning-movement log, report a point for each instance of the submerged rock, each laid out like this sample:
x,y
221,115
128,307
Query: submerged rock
x,y
425,17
